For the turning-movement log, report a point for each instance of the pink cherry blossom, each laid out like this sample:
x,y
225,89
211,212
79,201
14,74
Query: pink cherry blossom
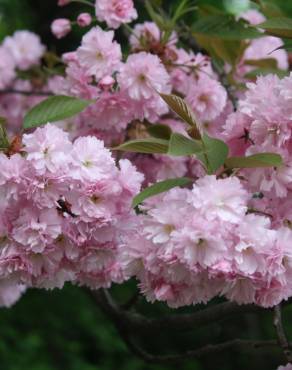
x,y
25,47
7,67
143,75
115,12
98,53
61,27
207,97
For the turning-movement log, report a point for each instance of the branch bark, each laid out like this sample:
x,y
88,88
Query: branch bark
x,y
282,338
26,93
128,323
181,322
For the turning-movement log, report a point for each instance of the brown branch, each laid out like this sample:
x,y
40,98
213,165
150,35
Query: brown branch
x,y
235,344
136,321
126,322
282,339
26,93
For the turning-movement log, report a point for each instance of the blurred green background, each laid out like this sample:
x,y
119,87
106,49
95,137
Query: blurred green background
x,y
48,330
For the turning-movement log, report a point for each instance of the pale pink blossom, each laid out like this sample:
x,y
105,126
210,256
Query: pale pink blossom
x,y
143,75
7,67
115,12
84,19
61,27
91,160
207,97
35,231
287,367
226,198
25,47
47,149
98,53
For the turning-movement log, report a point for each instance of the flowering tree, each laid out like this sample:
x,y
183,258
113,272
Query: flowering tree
x,y
166,160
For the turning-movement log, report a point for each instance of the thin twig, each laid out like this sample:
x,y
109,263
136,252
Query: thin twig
x,y
282,339
26,93
125,322
235,344
183,322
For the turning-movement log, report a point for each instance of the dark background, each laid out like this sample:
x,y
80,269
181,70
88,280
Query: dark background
x,y
48,330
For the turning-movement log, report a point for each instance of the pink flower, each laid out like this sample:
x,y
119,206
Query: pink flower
x,y
106,83
143,76
25,48
47,149
112,111
226,198
91,160
115,12
261,100
207,97
256,242
147,32
84,19
34,231
287,367
10,291
253,16
98,53
61,27
7,67
147,35
199,245
63,2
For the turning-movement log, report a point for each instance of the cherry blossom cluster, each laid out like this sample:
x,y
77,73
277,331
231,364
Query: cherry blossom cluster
x,y
20,52
66,204
65,213
206,241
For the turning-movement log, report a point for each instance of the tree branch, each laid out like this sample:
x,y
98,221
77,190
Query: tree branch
x,y
172,322
129,323
236,344
26,93
282,339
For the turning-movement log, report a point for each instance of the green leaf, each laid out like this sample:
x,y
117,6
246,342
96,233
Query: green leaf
x,y
160,187
180,145
254,161
55,108
181,108
269,63
237,7
155,16
4,142
228,50
224,27
266,71
148,146
215,153
160,131
280,27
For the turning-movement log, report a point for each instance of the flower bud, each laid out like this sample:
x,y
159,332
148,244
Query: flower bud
x,y
63,2
106,83
61,27
84,19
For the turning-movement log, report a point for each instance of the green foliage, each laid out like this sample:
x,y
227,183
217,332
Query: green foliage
x,y
148,146
181,108
180,145
53,109
160,187
160,131
280,27
224,27
214,155
4,142
255,160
